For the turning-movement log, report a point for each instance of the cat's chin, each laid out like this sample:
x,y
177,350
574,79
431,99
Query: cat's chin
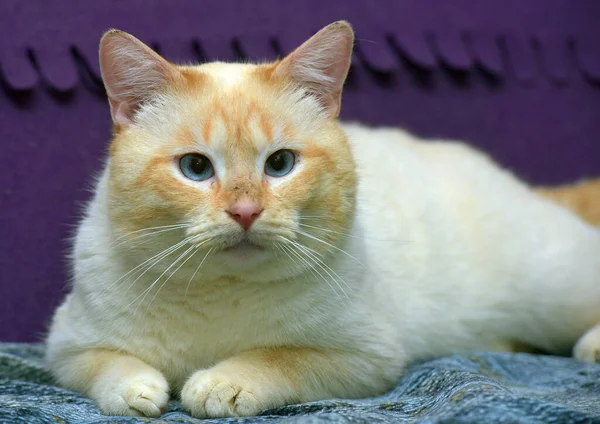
x,y
245,251
244,247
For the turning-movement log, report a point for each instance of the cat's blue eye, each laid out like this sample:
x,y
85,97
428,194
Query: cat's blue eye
x,y
196,167
280,163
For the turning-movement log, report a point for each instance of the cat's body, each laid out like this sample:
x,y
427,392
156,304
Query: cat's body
x,y
424,249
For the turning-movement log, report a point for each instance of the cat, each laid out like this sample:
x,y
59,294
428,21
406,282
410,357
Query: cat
x,y
244,250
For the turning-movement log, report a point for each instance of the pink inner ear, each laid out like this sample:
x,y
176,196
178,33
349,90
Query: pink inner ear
x,y
132,73
120,111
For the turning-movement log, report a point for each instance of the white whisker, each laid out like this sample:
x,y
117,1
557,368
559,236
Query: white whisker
x,y
137,240
287,250
161,254
147,291
330,245
326,230
316,261
160,227
174,272
308,265
326,268
171,250
196,271
312,217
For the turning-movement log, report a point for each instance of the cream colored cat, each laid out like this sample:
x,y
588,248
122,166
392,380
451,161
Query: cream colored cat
x,y
245,250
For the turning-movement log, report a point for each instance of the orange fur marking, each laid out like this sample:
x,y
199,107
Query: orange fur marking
x,y
289,132
251,111
207,128
265,72
265,127
193,78
219,110
169,187
185,138
582,198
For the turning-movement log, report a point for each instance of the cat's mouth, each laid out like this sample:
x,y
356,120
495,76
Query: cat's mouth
x,y
245,246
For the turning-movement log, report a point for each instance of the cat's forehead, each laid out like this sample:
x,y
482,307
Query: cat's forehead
x,y
234,107
235,122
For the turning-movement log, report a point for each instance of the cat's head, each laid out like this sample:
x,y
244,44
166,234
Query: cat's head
x,y
244,161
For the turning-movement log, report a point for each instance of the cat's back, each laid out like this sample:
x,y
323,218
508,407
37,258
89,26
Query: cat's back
x,y
446,228
424,195
386,151
401,172
446,191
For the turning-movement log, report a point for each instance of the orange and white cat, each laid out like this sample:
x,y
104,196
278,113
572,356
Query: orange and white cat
x,y
245,250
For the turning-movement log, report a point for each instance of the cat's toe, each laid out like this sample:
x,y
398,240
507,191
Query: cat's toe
x,y
143,397
149,399
211,394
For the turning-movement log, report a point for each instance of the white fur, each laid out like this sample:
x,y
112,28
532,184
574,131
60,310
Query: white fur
x,y
457,254
229,75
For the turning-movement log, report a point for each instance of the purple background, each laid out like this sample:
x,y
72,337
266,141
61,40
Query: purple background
x,y
519,79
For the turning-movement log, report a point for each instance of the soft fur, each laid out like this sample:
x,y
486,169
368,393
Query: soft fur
x,y
376,250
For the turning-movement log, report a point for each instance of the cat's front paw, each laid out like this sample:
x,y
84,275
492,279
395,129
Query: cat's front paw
x,y
141,395
218,392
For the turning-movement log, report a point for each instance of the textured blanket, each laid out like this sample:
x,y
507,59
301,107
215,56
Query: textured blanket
x,y
477,388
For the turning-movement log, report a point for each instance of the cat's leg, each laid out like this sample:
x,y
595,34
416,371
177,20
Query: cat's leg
x,y
256,380
588,347
120,383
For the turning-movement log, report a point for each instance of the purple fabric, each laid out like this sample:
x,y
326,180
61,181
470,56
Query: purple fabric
x,y
519,79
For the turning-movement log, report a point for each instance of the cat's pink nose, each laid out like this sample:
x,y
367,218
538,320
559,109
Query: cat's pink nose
x,y
244,212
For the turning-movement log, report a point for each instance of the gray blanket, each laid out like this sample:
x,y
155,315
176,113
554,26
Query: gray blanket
x,y
476,388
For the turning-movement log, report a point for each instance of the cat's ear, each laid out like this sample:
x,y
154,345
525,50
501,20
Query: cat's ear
x,y
132,73
321,64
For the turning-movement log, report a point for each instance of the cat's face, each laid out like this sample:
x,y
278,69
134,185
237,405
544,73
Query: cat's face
x,y
243,161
